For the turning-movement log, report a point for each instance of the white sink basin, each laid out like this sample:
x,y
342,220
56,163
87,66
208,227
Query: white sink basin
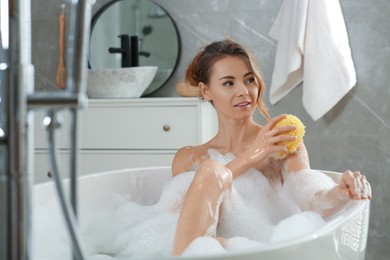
x,y
120,83
161,76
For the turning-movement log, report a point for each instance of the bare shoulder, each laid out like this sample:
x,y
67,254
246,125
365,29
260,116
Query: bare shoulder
x,y
186,157
182,160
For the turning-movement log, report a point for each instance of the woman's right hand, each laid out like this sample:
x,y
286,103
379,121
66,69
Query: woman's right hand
x,y
269,141
267,144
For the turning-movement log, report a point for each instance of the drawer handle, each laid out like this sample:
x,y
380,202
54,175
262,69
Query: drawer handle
x,y
166,128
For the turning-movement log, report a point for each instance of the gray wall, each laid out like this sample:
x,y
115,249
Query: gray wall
x,y
353,135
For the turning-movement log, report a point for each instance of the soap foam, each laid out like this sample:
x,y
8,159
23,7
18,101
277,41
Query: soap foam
x,y
241,243
204,246
297,225
253,214
304,185
134,230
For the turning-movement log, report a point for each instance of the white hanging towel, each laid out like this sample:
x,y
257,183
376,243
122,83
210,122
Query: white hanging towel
x,y
313,47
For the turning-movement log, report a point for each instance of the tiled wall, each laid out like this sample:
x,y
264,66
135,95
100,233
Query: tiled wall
x,y
353,135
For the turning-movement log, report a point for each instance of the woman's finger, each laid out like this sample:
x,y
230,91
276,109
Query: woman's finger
x,y
282,138
357,174
363,187
367,187
356,184
351,184
283,129
278,150
274,121
369,190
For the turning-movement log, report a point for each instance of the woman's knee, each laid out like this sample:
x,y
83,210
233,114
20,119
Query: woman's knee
x,y
214,173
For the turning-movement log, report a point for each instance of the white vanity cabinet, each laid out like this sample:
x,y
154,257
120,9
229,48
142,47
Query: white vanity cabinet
x,y
127,133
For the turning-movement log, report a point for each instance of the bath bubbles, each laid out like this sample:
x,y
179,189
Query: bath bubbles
x,y
131,230
204,246
304,187
254,214
296,225
151,238
241,243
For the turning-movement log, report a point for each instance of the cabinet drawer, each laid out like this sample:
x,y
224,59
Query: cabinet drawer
x,y
145,123
99,161
139,127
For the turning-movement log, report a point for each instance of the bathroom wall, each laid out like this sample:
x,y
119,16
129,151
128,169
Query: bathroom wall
x,y
353,135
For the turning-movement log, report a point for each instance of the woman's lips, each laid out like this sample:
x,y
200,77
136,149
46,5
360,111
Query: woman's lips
x,y
243,104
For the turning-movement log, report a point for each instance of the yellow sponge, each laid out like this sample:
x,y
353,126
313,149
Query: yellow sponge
x,y
299,132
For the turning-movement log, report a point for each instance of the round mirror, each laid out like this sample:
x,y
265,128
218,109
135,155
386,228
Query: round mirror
x,y
145,23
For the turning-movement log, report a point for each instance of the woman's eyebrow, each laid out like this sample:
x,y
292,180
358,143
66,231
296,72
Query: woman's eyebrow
x,y
227,77
231,77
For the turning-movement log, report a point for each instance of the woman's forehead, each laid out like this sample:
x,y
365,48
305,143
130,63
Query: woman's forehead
x,y
230,66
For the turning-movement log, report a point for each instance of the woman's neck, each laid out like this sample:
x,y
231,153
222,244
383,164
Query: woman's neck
x,y
235,135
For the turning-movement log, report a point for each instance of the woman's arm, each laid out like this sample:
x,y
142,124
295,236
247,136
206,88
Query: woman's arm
x,y
315,191
269,142
298,160
352,186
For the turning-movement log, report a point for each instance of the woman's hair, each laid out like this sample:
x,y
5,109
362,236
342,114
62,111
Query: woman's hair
x,y
200,68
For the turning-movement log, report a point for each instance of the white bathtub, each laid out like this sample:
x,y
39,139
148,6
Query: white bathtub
x,y
344,237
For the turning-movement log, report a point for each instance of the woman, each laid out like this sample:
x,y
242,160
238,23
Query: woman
x,y
227,76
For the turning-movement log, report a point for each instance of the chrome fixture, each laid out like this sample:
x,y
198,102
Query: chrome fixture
x,y
17,103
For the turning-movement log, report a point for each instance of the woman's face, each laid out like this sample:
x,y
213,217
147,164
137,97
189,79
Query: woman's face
x,y
232,88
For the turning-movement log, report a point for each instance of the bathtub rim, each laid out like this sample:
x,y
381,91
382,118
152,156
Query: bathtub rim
x,y
352,208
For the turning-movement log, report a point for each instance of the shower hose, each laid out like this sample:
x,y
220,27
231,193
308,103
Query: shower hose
x,y
70,218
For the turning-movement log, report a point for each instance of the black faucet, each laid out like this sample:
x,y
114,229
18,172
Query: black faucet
x,y
128,49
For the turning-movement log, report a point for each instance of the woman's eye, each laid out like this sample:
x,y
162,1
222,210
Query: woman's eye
x,y
250,80
228,83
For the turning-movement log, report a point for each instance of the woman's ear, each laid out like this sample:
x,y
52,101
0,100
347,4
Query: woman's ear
x,y
204,91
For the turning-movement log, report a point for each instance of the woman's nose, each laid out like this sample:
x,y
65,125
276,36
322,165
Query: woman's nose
x,y
242,90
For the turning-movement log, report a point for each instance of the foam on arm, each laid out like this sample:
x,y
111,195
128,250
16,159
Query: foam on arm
x,y
309,188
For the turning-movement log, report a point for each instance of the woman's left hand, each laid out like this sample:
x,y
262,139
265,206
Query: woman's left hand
x,y
354,185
